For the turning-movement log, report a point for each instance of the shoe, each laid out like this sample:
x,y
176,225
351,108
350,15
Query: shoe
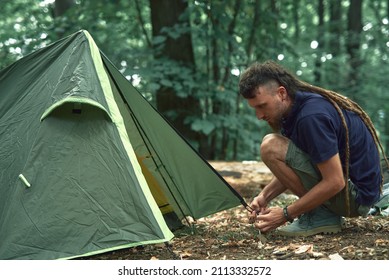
x,y
383,201
319,220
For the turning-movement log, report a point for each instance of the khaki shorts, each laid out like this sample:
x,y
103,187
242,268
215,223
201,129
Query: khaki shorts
x,y
310,175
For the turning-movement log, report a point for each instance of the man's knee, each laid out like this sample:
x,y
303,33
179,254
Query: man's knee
x,y
273,146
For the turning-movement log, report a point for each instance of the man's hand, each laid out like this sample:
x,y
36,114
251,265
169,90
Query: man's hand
x,y
269,219
258,205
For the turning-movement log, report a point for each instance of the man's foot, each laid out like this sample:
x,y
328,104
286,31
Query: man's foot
x,y
319,220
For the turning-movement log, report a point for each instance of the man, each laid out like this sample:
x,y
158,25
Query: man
x,y
324,149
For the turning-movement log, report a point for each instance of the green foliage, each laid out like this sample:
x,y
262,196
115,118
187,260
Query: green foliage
x,y
226,38
203,126
23,27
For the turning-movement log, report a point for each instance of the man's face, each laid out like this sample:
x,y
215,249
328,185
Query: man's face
x,y
270,104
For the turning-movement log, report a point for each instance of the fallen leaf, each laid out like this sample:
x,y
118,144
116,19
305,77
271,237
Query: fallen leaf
x,y
317,254
280,251
304,249
348,249
241,242
294,246
381,241
285,248
185,254
318,237
335,256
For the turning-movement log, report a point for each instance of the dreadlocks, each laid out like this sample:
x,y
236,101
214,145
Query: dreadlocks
x,y
260,74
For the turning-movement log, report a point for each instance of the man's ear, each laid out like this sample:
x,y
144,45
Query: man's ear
x,y
283,92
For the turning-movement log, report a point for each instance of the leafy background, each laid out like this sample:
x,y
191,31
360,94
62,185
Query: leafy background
x,y
186,56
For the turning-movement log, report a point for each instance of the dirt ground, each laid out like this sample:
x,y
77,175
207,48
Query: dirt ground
x,y
228,235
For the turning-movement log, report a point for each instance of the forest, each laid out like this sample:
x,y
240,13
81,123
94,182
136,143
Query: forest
x,y
186,56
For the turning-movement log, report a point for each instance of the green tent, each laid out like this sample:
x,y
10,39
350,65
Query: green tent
x,y
87,164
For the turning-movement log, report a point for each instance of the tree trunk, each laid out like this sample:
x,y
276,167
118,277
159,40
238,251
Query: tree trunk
x,y
221,75
61,6
296,6
335,31
167,13
227,74
354,29
335,26
275,36
142,23
320,35
216,105
251,42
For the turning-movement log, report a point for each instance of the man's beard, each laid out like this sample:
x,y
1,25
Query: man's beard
x,y
276,122
276,126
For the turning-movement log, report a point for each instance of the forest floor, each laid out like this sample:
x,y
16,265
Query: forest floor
x,y
227,235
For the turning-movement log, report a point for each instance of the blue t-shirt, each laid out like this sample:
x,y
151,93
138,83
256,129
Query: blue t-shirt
x,y
315,126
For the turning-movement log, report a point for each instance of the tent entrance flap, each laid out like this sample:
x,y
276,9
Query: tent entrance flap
x,y
155,189
171,218
160,181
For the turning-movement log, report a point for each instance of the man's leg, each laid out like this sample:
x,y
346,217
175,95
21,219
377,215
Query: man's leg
x,y
274,149
294,169
296,172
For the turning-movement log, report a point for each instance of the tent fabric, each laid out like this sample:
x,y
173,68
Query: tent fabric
x,y
72,130
190,182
